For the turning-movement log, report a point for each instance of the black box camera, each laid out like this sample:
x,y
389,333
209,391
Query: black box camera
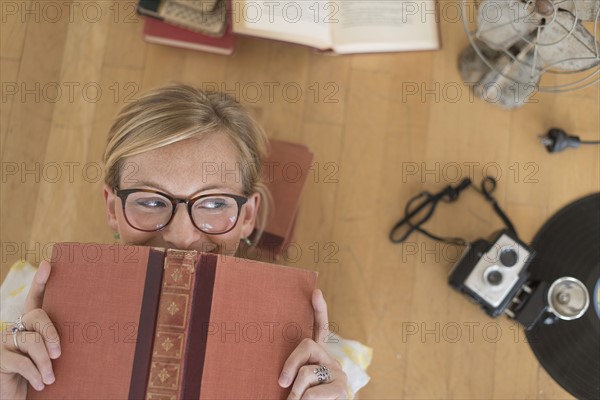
x,y
492,273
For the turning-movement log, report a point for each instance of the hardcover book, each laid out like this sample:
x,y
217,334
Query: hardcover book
x,y
342,26
285,173
204,16
161,32
149,8
200,5
146,323
208,22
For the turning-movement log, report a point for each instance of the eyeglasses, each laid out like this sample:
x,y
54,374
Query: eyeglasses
x,y
151,210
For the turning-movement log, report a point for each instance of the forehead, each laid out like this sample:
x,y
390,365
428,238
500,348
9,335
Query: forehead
x,y
187,167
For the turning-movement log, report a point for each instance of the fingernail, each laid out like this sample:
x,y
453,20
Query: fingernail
x,y
49,378
55,352
284,381
39,386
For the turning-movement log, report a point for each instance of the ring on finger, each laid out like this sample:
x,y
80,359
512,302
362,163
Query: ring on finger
x,y
14,335
21,324
323,374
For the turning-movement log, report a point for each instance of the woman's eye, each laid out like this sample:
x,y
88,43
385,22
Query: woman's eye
x,y
151,203
212,204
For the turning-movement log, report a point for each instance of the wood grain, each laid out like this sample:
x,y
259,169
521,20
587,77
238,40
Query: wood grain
x,y
383,127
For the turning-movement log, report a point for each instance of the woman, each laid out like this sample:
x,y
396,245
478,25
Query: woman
x,y
204,151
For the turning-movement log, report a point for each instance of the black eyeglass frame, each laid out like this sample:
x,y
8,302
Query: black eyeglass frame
x,y
189,202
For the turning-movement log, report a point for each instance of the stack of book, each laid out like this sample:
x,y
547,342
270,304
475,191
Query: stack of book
x,y
330,26
203,25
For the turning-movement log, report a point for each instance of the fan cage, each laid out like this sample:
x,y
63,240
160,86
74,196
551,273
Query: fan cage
x,y
579,80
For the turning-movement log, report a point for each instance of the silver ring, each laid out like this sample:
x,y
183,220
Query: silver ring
x,y
20,324
14,335
323,374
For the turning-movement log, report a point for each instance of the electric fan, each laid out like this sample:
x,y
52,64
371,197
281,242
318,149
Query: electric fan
x,y
520,47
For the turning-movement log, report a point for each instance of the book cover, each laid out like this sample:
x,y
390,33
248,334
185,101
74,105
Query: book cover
x,y
200,5
160,32
149,8
138,322
200,15
208,22
285,173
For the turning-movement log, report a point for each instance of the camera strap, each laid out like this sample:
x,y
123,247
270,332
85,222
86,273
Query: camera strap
x,y
420,209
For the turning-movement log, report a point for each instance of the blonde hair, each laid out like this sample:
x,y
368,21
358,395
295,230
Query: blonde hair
x,y
178,112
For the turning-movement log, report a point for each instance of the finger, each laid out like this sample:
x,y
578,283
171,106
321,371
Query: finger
x,y
334,390
321,318
305,379
38,285
32,344
307,352
19,364
38,321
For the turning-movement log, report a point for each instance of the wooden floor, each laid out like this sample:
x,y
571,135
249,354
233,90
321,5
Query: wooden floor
x,y
382,127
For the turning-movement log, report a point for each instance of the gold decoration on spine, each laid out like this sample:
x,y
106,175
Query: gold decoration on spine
x,y
189,260
173,309
167,344
177,275
172,322
163,375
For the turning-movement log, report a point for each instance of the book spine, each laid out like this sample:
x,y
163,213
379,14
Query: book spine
x,y
146,325
206,270
167,366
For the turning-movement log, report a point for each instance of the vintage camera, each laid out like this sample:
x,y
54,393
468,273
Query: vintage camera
x,y
492,273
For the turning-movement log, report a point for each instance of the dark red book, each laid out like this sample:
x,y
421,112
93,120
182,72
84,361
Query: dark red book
x,y
139,322
285,173
160,32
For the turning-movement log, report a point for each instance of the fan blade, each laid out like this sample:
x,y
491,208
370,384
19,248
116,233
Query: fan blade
x,y
586,10
520,69
511,82
566,45
472,66
501,23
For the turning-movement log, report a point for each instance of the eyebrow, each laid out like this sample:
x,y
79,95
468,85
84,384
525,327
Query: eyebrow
x,y
156,186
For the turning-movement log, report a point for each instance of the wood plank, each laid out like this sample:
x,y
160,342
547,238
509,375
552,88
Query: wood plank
x,y
125,45
162,64
10,93
69,138
16,15
27,137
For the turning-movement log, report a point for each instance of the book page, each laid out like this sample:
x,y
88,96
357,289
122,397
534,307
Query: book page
x,y
297,21
385,25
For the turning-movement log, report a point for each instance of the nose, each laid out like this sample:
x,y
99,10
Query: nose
x,y
181,232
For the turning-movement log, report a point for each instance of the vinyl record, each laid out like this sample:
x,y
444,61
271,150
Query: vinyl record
x,y
569,245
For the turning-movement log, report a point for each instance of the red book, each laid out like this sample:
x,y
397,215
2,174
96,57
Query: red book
x,y
285,173
159,32
138,322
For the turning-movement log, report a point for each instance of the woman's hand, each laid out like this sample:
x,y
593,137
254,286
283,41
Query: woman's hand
x,y
299,368
37,344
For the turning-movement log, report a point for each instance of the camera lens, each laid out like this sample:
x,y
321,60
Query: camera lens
x,y
508,257
494,277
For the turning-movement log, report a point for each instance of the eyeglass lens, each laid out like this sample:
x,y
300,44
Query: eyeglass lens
x,y
151,211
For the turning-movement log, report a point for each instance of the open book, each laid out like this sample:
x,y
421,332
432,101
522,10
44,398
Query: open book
x,y
342,26
139,322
